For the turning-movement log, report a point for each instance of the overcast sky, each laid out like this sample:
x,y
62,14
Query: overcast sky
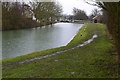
x,y
68,6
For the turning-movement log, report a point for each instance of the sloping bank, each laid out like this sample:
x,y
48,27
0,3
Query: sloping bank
x,y
92,60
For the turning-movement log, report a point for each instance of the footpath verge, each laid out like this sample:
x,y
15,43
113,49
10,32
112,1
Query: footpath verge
x,y
94,60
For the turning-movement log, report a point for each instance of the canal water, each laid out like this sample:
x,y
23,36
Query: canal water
x,y
20,42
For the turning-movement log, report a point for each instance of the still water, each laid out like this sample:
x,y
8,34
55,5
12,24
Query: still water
x,y
21,42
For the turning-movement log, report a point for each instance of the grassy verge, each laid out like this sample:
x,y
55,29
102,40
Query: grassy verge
x,y
91,61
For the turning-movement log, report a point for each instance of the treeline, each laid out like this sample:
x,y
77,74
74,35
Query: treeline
x,y
17,15
79,14
14,16
111,13
46,11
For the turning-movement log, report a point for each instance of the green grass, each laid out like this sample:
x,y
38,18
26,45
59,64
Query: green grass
x,y
94,60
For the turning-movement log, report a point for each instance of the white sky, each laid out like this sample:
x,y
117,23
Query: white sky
x,y
68,6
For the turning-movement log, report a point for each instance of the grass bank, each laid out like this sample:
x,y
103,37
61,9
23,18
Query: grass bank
x,y
94,60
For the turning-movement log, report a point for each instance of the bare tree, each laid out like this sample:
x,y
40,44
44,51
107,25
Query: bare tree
x,y
79,14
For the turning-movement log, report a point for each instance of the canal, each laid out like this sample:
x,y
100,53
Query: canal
x,y
20,42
